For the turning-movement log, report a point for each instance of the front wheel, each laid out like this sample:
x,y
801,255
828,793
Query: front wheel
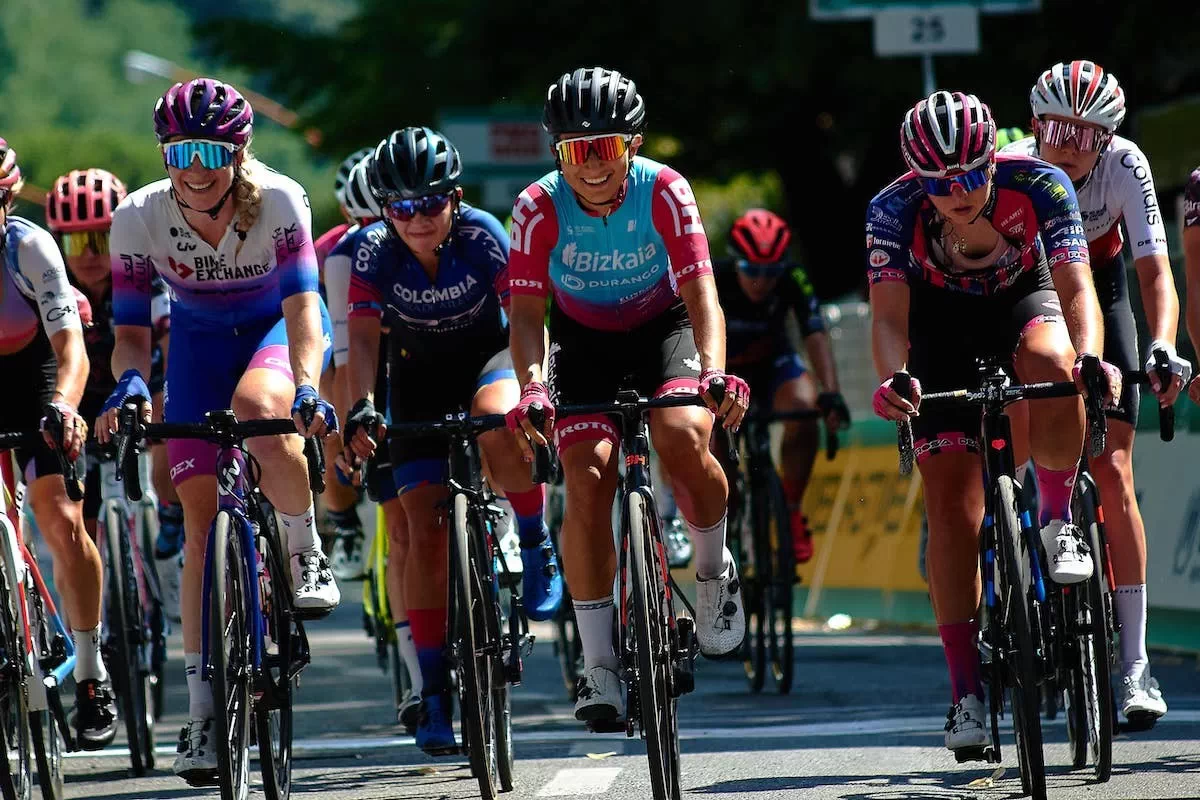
x,y
782,583
48,753
273,713
1094,645
15,738
229,629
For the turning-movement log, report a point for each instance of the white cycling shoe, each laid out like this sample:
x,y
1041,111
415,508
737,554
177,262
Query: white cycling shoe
x,y
317,592
1070,559
966,726
720,618
1142,703
347,558
196,754
599,697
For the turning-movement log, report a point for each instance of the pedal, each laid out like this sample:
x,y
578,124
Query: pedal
x,y
607,726
684,662
309,614
981,753
1138,722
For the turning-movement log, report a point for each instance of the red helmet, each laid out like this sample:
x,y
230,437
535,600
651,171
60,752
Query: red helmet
x,y
760,236
83,200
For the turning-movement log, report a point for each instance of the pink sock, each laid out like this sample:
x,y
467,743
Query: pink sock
x,y
1054,492
962,658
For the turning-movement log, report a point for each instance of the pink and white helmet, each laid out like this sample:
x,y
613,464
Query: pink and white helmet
x,y
1082,91
10,173
948,133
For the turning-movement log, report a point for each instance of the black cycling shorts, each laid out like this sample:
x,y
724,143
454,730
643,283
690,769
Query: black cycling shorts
x,y
35,371
591,366
949,331
1120,334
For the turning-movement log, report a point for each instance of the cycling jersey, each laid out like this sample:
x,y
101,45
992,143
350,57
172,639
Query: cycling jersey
x,y
1119,187
336,269
327,241
34,290
459,309
757,331
237,283
610,272
1028,197
1191,201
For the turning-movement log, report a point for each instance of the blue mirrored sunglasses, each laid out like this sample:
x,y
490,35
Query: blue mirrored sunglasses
x,y
752,270
969,181
212,155
430,206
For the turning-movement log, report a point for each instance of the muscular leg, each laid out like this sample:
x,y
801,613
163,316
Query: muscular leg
x,y
797,453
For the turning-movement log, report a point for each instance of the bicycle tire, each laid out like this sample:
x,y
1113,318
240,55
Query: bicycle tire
x,y
140,728
273,714
756,590
15,737
498,715
158,615
47,750
228,586
783,572
1024,686
1096,653
472,679
655,701
1069,685
125,669
502,701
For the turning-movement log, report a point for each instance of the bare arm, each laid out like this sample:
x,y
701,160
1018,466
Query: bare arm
x,y
1159,298
73,365
306,344
1081,309
362,359
527,337
708,321
820,358
889,327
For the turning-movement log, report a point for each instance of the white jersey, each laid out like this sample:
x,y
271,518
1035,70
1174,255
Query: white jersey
x,y
34,290
337,293
1120,187
238,282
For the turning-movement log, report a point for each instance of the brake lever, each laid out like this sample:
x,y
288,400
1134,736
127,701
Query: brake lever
x,y
1166,414
54,426
543,457
716,388
314,452
902,385
1095,384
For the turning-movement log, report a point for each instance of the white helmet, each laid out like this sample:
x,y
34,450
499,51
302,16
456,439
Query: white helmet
x,y
1081,91
343,174
358,200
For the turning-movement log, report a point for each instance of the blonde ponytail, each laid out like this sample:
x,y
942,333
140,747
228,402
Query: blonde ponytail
x,y
248,196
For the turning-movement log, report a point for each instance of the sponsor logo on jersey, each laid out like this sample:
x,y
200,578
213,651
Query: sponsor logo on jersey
x,y
526,283
1141,174
186,464
214,268
879,258
433,295
478,233
872,241
587,261
290,239
55,314
1013,217
179,268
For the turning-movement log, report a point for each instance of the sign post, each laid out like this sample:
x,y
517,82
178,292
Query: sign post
x,y
502,152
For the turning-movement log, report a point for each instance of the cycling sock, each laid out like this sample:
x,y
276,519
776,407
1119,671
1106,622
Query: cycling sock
x,y
89,664
408,652
300,531
1131,611
527,508
962,659
200,697
170,530
594,618
345,520
1054,490
709,544
428,629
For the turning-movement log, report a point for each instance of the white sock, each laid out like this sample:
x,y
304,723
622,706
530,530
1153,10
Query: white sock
x,y
300,531
408,652
1131,611
200,696
89,664
709,544
595,621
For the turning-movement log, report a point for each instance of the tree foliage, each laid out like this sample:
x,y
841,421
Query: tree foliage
x,y
741,86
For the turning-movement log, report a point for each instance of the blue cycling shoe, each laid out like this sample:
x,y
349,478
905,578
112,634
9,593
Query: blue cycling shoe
x,y
435,736
542,587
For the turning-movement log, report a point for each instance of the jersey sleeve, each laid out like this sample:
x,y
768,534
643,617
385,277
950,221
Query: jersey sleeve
x,y
42,265
889,234
133,267
1057,209
1191,201
295,255
534,236
494,247
337,294
1134,185
364,296
676,217
804,302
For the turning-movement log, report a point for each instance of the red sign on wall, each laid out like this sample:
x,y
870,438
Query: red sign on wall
x,y
516,141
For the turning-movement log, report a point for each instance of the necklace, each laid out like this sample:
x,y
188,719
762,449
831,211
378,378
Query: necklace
x,y
959,243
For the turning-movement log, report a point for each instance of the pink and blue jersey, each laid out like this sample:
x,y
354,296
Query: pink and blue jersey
x,y
239,282
1033,207
611,272
34,290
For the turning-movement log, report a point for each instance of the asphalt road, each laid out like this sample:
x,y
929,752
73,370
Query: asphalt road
x,y
863,723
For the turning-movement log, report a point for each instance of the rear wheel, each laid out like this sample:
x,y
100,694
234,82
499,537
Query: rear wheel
x,y
122,636
656,703
229,629
157,621
1024,672
141,727
781,588
47,749
15,739
756,556
1094,643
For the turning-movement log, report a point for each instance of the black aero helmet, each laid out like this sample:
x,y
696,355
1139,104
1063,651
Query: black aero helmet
x,y
412,163
593,99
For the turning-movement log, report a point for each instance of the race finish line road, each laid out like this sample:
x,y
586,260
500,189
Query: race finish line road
x,y
864,722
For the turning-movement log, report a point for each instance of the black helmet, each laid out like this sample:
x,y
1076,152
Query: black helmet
x,y
414,162
595,99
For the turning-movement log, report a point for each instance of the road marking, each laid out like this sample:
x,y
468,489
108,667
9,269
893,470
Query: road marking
x,y
569,782
584,742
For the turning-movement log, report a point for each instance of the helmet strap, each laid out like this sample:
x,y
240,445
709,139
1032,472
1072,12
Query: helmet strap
x,y
213,212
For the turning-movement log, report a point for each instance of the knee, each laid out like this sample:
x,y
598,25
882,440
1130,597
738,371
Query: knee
x,y
682,445
61,524
262,400
1048,358
1113,469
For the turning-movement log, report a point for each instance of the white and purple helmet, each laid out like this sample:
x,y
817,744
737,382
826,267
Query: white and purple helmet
x,y
1082,91
948,133
204,108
